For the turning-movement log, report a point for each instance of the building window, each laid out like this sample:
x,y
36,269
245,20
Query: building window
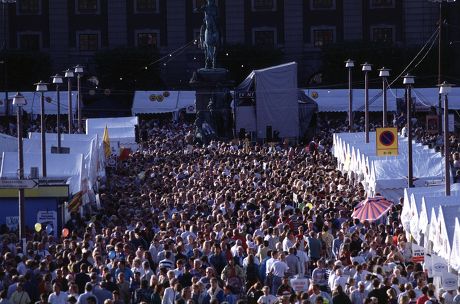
x,y
87,6
322,4
263,5
382,34
146,6
147,40
382,3
323,37
88,42
264,38
30,42
29,7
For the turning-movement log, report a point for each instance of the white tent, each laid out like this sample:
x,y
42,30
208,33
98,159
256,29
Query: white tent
x,y
87,148
150,102
65,166
337,100
429,208
444,236
33,105
121,131
113,122
454,259
8,143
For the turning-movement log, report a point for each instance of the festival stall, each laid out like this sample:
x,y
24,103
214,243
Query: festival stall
x,y
444,232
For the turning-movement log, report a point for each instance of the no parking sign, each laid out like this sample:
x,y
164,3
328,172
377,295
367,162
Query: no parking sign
x,y
387,141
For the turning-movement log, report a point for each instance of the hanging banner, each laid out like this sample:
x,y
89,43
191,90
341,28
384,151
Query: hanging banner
x,y
48,219
418,253
299,285
439,265
449,281
428,265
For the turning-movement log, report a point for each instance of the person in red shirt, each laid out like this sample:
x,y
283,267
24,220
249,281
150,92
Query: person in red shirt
x,y
424,297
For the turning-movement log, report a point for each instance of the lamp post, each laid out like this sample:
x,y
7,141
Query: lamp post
x,y
42,87
79,72
384,73
444,89
366,69
440,22
69,75
409,81
19,101
57,80
5,4
349,64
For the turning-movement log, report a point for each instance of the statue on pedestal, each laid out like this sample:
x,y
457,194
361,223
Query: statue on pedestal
x,y
209,33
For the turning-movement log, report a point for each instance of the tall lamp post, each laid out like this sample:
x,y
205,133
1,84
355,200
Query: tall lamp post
x,y
384,73
409,81
19,101
69,75
57,80
444,89
79,72
42,87
349,64
366,69
5,4
440,23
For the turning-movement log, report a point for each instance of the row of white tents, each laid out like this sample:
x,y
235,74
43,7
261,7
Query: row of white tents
x,y
85,161
429,217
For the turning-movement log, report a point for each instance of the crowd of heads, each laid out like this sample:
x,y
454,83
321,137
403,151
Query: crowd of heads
x,y
225,222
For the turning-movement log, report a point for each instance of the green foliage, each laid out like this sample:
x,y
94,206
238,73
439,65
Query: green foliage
x,y
24,69
242,59
129,65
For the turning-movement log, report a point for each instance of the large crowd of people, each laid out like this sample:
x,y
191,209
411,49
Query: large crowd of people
x,y
228,222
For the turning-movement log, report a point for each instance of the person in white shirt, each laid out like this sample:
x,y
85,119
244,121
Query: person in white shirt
x,y
58,296
279,269
267,298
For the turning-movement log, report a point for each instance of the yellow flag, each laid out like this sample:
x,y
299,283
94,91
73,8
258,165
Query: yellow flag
x,y
106,142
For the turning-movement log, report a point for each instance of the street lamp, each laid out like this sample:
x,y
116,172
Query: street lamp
x,y
19,101
69,75
42,87
444,89
409,80
5,4
349,64
440,22
57,80
79,72
366,69
384,73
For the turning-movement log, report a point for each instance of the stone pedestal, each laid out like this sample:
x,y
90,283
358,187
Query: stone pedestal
x,y
212,103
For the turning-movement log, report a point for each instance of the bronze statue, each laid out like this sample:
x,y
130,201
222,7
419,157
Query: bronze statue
x,y
209,33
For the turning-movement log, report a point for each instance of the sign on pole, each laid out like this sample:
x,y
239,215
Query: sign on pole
x,y
18,183
386,141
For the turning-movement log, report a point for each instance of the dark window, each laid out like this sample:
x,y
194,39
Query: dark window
x,y
264,5
149,40
146,5
323,37
264,38
29,6
382,3
87,5
382,34
29,42
322,4
88,42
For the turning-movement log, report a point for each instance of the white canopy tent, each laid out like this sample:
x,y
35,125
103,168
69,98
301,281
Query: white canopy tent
x,y
33,103
65,166
428,209
121,131
113,122
149,102
444,236
87,148
454,259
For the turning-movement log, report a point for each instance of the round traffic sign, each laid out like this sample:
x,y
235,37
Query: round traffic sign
x,y
387,138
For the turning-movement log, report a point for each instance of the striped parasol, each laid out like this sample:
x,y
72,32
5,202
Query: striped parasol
x,y
372,209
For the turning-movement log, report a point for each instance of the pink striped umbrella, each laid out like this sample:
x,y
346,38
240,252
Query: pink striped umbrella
x,y
372,209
